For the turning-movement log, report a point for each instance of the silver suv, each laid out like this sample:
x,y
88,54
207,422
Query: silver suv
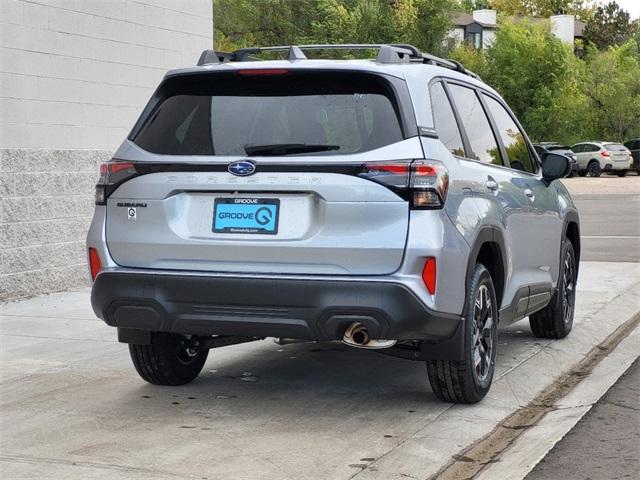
x,y
394,204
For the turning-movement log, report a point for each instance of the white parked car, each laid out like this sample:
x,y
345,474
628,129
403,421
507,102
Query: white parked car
x,y
597,157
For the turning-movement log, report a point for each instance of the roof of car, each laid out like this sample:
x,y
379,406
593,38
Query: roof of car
x,y
397,70
401,61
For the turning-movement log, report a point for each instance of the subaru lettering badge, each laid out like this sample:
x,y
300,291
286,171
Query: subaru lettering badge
x,y
242,168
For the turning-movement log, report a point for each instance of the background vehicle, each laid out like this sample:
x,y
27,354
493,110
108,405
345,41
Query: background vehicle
x,y
394,204
546,147
597,157
634,147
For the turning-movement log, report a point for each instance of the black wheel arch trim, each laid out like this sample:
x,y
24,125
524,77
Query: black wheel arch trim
x,y
572,217
487,234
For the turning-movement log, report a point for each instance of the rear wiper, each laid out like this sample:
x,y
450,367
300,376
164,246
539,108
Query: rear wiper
x,y
287,149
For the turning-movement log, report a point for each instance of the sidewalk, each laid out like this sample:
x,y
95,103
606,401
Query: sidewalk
x,y
73,407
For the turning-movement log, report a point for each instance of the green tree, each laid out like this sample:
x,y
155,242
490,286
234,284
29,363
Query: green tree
x,y
542,8
472,58
609,25
471,5
539,77
614,90
241,23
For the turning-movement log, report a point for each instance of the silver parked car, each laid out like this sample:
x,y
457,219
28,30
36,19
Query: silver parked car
x,y
597,157
393,204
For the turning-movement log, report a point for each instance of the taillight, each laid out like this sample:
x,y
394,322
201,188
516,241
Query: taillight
x,y
94,263
604,153
424,183
429,275
112,174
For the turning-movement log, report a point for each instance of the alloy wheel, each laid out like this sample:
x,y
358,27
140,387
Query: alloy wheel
x,y
483,324
569,294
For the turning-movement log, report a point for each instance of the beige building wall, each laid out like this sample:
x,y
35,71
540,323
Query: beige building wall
x,y
74,76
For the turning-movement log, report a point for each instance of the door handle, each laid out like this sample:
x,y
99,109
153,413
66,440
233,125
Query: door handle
x,y
492,184
529,193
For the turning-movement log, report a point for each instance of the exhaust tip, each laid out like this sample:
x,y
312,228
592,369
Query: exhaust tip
x,y
357,335
360,337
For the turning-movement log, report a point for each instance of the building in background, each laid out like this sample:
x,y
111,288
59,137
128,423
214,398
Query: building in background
x,y
479,28
73,78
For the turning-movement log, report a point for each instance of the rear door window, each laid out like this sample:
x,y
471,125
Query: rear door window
x,y
224,113
445,120
513,139
476,125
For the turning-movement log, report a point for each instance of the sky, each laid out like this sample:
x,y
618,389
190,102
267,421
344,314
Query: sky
x,y
631,6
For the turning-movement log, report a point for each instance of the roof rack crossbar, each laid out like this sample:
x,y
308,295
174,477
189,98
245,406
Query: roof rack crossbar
x,y
387,53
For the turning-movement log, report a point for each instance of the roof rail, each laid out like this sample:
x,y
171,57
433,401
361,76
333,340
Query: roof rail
x,y
387,53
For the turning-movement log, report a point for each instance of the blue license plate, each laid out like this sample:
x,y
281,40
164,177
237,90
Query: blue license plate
x,y
246,215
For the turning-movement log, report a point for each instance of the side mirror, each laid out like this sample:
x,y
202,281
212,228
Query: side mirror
x,y
554,166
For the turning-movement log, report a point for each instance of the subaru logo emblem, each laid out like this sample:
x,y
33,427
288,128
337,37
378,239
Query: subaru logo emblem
x,y
242,168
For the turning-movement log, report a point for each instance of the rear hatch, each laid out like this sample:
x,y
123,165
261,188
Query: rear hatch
x,y
618,153
259,172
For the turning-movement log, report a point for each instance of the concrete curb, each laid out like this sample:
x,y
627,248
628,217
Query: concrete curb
x,y
534,444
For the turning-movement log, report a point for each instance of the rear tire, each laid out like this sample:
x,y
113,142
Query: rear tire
x,y
170,359
622,173
469,380
556,319
594,168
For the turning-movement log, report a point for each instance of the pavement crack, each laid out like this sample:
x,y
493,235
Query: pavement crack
x,y
628,407
407,438
154,473
43,337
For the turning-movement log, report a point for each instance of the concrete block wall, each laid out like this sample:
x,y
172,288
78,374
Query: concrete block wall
x,y
74,76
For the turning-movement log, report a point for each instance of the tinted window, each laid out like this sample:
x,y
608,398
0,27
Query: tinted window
x,y
591,148
578,148
512,138
474,121
558,147
615,147
445,121
223,113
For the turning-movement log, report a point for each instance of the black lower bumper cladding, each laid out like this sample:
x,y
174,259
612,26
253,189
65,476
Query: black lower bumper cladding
x,y
267,307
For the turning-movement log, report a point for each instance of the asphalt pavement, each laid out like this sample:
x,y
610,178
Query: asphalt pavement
x,y
610,227
605,444
609,209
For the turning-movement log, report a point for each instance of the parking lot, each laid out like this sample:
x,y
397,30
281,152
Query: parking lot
x,y
73,407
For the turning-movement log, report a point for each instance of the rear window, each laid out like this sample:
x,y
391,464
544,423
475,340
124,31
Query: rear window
x,y
615,147
225,113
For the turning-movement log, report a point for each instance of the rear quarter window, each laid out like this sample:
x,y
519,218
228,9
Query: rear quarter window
x,y
445,120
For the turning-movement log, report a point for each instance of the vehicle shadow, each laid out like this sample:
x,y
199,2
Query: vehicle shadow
x,y
268,379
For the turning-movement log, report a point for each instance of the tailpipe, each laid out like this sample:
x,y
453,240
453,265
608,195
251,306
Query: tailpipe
x,y
357,335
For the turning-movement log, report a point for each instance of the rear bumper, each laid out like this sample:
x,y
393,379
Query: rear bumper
x,y
273,307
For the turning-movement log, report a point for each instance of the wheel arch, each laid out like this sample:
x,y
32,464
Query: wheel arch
x,y
489,249
571,231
